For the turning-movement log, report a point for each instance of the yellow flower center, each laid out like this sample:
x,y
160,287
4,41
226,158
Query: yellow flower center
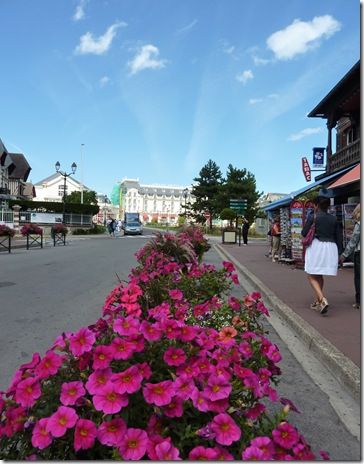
x,y
132,443
83,433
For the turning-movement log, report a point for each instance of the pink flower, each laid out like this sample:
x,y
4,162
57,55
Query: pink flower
x,y
226,336
40,437
265,445
188,333
126,326
27,392
184,387
228,266
160,393
325,456
122,349
49,365
165,451
174,408
151,332
176,294
85,434
133,444
200,453
31,364
128,381
285,435
252,453
144,370
199,401
64,418
82,341
254,412
261,308
246,350
110,433
15,419
71,392
108,400
171,327
234,303
102,356
273,354
174,356
97,380
222,454
225,429
217,388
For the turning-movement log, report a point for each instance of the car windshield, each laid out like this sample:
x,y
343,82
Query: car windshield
x,y
133,224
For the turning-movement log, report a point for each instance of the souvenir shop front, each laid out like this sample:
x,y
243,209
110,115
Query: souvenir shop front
x,y
293,209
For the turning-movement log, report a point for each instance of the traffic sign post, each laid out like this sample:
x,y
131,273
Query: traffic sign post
x,y
239,205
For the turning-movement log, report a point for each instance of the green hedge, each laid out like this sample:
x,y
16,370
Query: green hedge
x,y
55,207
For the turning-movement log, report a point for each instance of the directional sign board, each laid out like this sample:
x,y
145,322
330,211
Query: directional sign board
x,y
238,205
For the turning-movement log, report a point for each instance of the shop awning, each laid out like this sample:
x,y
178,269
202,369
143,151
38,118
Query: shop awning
x,y
288,198
351,176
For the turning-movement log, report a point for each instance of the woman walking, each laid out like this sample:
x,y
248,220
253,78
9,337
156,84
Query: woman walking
x,y
323,253
354,246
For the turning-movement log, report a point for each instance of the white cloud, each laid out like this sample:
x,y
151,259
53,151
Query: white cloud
x,y
146,58
80,11
188,27
304,133
104,80
245,76
100,45
260,61
300,36
254,101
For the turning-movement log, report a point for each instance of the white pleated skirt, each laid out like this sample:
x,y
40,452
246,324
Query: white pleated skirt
x,y
321,258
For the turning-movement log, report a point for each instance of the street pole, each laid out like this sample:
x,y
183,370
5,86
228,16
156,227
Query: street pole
x,y
82,145
64,198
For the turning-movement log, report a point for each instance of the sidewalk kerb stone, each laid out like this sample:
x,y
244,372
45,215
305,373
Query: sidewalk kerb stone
x,y
344,370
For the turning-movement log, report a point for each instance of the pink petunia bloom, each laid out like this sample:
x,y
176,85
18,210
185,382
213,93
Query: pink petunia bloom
x,y
174,356
151,332
108,400
133,444
199,401
204,366
228,266
49,365
110,433
176,294
126,326
265,445
264,375
97,380
235,279
261,308
128,381
249,301
160,393
254,412
325,456
273,354
188,333
285,435
71,392
165,451
154,426
102,357
184,387
122,349
174,408
82,341
171,328
144,370
85,434
226,336
252,453
246,350
188,370
225,429
217,388
234,303
15,419
64,418
40,437
200,453
218,406
137,343
27,392
31,364
303,453
222,454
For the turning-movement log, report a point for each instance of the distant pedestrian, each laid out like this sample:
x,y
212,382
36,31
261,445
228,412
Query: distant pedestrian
x,y
111,227
276,239
245,231
354,247
323,253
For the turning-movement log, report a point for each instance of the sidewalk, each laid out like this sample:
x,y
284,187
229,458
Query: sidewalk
x,y
335,337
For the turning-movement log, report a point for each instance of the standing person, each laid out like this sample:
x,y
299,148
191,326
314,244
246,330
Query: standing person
x,y
245,231
322,255
354,246
276,239
111,228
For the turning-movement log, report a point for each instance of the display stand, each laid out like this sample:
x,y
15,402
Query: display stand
x,y
34,241
231,236
59,239
3,240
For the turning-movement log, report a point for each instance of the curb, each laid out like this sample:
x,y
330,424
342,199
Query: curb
x,y
340,366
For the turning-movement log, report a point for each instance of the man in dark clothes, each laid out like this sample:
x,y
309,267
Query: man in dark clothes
x,y
245,231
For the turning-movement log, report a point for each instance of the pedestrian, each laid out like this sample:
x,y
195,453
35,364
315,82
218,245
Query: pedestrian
x,y
354,246
276,239
245,231
111,228
323,253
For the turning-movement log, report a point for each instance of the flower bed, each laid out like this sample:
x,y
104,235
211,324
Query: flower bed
x,y
31,229
6,231
174,369
59,229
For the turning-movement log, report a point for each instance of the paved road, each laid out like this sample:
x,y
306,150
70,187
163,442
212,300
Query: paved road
x,y
45,292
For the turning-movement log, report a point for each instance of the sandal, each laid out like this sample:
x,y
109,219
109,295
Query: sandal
x,y
314,305
324,305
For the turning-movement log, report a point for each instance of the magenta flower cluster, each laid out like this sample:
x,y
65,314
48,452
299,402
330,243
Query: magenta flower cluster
x,y
144,382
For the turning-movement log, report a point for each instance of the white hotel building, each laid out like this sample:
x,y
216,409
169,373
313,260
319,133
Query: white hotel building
x,y
160,203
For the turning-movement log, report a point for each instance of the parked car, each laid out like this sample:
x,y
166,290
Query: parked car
x,y
133,228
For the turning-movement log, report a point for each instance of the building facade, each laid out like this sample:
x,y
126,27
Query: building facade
x,y
154,203
52,188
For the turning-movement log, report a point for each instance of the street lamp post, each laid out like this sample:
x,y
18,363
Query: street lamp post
x,y
65,175
185,194
82,145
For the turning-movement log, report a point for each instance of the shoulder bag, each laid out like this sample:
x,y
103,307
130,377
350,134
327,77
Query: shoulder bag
x,y
306,241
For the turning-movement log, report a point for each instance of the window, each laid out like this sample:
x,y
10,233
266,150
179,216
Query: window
x,y
61,189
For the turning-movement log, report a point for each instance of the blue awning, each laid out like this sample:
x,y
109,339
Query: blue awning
x,y
288,198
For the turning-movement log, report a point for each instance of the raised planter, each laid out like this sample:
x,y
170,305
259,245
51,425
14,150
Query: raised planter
x,y
5,237
231,236
58,233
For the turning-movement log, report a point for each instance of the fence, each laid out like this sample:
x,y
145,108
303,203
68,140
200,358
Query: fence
x,y
6,216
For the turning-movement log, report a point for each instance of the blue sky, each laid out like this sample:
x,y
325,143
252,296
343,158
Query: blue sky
x,y
155,88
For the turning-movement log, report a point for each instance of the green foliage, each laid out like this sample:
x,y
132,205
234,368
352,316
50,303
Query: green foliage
x,y
95,230
228,214
54,207
89,197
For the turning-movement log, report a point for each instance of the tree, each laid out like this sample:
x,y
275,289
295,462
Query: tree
x,y
228,215
89,197
206,192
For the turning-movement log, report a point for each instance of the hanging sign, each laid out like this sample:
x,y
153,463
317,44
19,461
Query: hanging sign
x,y
318,156
306,169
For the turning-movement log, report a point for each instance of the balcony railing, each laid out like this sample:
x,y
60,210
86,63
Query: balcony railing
x,y
344,157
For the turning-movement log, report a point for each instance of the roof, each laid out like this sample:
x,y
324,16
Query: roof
x,y
349,177
3,153
55,176
344,96
288,198
19,167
